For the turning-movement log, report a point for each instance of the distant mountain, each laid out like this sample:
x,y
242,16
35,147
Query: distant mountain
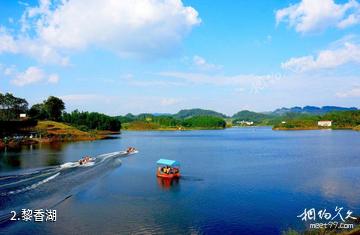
x,y
246,115
161,114
312,110
188,113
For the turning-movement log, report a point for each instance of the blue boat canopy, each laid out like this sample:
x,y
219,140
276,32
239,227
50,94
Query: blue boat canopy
x,y
168,162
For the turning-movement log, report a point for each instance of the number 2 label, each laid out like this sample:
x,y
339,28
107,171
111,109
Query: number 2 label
x,y
13,217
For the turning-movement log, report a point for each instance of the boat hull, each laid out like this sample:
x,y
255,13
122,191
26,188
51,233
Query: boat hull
x,y
168,176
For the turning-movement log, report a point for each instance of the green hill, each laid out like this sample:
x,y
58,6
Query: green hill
x,y
188,113
204,122
250,116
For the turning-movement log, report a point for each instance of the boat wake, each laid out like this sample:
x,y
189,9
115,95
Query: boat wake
x,y
27,188
46,187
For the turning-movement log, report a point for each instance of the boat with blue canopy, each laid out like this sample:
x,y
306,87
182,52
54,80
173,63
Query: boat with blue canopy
x,y
168,168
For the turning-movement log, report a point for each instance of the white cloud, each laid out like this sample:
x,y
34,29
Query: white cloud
x,y
348,52
314,15
354,92
169,101
8,71
80,97
134,104
33,48
53,78
7,43
202,64
30,75
253,83
154,83
142,28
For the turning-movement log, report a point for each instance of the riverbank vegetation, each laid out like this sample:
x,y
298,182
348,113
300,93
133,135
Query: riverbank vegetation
x,y
296,118
340,120
167,122
47,122
48,130
86,121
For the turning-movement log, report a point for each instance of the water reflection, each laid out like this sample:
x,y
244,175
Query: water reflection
x,y
169,184
32,156
335,184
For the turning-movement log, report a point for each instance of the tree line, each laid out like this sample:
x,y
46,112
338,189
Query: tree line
x,y
340,119
201,121
53,109
91,120
11,107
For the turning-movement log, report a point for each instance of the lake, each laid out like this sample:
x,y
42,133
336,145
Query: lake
x,y
237,180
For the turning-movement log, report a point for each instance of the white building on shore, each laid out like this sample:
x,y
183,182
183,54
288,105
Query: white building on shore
x,y
325,123
245,123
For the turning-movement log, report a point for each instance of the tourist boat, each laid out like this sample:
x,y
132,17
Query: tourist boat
x,y
131,150
86,160
168,169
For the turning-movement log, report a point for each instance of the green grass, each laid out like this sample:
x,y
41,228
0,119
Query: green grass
x,y
58,128
66,132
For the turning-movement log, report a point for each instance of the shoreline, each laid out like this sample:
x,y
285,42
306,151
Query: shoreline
x,y
47,132
18,143
174,129
14,143
312,129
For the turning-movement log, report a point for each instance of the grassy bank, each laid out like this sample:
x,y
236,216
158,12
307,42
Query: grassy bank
x,y
51,131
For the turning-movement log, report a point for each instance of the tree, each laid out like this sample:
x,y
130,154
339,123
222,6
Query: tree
x,y
11,106
38,111
54,107
204,122
92,120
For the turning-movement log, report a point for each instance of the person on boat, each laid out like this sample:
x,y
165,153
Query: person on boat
x,y
85,160
130,150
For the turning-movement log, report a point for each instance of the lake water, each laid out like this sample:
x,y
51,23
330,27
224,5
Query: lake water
x,y
238,180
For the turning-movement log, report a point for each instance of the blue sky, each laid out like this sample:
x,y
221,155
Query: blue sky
x,y
162,56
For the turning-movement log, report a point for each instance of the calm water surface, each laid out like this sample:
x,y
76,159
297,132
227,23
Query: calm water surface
x,y
239,180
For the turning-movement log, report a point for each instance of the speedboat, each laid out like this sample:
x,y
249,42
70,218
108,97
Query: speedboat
x,y
168,168
131,150
85,160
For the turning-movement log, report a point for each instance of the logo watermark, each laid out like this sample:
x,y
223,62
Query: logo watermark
x,y
339,218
